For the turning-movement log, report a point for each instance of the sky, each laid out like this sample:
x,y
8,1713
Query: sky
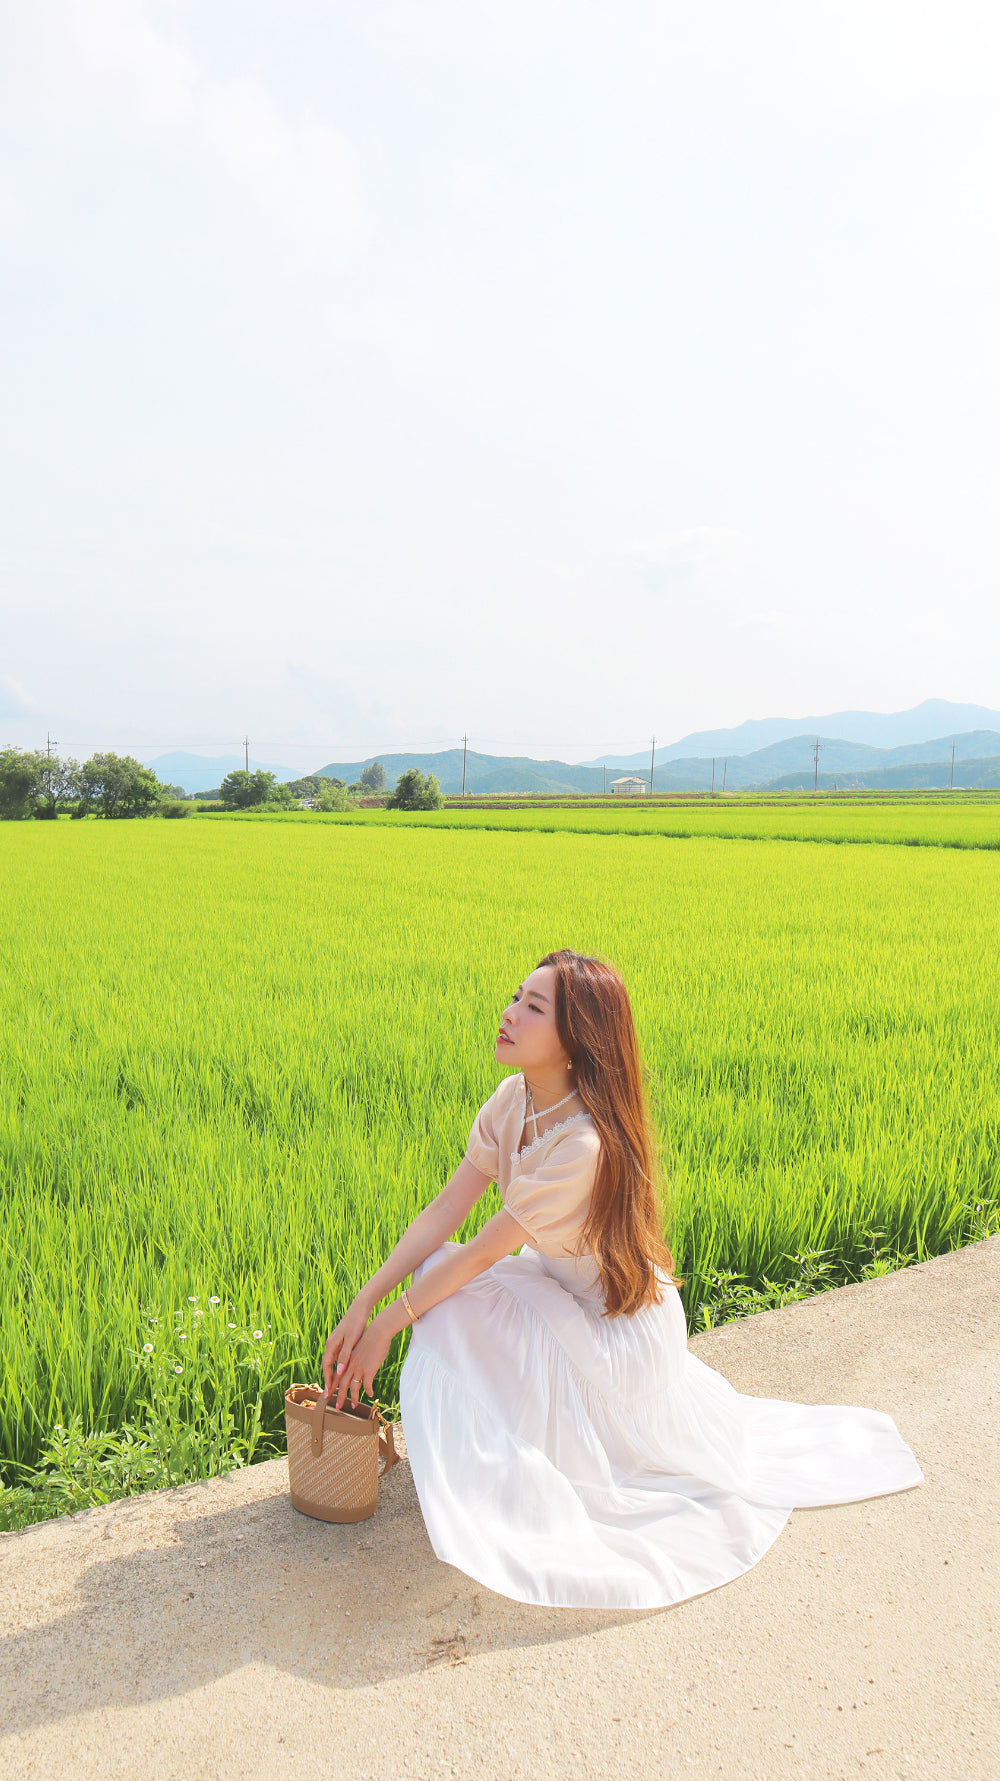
x,y
554,373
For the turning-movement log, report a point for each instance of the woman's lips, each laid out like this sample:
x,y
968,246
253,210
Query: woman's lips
x,y
504,1039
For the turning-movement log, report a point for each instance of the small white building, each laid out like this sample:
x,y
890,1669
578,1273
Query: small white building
x,y
629,787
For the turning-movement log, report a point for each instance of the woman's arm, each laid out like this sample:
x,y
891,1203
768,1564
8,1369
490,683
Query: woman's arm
x,y
497,1238
431,1227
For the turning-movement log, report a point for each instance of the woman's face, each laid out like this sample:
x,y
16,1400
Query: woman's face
x,y
528,1039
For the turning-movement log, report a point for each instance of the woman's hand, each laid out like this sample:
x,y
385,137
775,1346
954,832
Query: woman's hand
x,y
341,1341
360,1365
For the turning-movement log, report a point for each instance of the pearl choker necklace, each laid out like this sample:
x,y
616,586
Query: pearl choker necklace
x,y
530,1106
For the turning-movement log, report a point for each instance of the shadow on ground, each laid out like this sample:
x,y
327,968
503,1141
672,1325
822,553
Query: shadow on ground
x,y
241,1577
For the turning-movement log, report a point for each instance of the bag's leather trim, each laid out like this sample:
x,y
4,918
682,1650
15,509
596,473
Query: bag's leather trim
x,y
347,1421
320,1512
387,1448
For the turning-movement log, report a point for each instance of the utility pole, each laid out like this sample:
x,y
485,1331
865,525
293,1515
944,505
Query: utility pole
x,y
951,787
465,744
713,776
816,750
246,753
724,766
605,779
651,760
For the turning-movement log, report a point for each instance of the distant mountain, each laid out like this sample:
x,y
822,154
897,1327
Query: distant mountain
x,y
201,772
765,766
782,763
970,775
778,766
490,773
925,722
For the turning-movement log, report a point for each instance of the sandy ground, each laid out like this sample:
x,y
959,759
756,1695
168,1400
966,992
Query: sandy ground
x,y
213,1632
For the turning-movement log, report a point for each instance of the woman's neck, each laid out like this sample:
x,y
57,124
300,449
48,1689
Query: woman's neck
x,y
547,1087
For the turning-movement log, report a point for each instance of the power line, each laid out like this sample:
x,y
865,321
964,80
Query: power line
x,y
237,744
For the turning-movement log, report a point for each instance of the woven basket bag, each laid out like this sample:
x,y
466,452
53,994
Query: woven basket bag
x,y
333,1455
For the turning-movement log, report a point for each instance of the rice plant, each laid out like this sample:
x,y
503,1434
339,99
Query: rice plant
x,y
959,820
239,1056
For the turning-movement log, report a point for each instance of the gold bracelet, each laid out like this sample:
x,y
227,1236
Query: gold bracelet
x,y
410,1311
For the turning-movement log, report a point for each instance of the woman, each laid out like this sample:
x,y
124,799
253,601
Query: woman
x,y
567,1449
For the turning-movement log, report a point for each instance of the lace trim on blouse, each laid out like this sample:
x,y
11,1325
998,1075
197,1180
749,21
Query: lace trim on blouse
x,y
518,1156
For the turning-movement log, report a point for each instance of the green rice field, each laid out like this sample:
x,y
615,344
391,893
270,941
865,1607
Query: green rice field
x,y
973,823
239,1054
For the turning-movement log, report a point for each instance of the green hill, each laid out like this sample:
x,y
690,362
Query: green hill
x,y
981,775
781,766
498,773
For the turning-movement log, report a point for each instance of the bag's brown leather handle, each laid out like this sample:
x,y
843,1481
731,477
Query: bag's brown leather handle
x,y
386,1444
318,1420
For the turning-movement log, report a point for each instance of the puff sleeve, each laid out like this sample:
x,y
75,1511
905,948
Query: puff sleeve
x,y
483,1149
551,1202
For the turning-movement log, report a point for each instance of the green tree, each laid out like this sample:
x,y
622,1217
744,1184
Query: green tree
x,y
117,785
59,785
372,778
416,791
334,795
20,782
241,790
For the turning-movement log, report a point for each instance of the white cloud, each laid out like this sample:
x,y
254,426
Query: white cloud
x,y
700,553
115,80
15,701
469,180
107,58
772,618
301,176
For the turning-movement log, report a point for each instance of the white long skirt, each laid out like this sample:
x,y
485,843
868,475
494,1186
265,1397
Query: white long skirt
x,y
580,1461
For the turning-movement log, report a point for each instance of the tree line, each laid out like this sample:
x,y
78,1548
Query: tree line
x,y
36,784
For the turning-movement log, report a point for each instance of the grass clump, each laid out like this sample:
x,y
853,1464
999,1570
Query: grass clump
x,y
204,1393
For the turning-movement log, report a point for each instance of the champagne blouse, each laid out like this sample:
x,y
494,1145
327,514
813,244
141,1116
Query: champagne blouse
x,y
547,1187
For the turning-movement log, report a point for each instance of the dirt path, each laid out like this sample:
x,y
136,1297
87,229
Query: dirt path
x,y
213,1632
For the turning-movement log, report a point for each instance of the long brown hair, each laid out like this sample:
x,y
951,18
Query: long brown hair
x,y
624,1227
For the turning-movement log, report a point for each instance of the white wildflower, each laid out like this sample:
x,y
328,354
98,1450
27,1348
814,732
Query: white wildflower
x,y
147,1348
178,1369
